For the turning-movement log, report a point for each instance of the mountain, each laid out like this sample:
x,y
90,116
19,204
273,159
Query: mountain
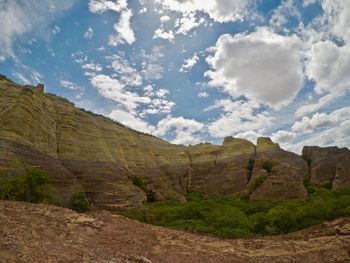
x,y
82,151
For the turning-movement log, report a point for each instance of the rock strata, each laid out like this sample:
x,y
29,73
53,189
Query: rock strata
x,y
86,152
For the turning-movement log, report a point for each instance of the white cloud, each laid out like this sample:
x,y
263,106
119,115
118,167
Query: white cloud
x,y
203,94
164,19
70,85
161,33
189,63
321,103
114,90
126,74
125,33
92,67
159,104
239,117
101,6
124,30
131,121
282,14
89,33
20,17
329,66
283,136
262,66
218,10
322,120
185,130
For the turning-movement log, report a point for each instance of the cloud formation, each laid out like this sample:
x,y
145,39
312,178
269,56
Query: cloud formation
x,y
263,66
20,17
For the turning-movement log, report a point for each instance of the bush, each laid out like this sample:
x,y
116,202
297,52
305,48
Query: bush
x,y
80,203
259,181
150,194
231,217
31,185
267,166
250,168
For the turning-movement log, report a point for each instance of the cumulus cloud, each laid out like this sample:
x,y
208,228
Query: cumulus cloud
x,y
20,17
329,66
239,117
114,90
283,136
185,130
263,66
124,31
322,120
131,121
218,10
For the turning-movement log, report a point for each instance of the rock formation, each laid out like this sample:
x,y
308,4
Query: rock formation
x,y
82,151
328,166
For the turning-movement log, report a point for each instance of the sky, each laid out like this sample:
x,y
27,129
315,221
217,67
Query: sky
x,y
191,71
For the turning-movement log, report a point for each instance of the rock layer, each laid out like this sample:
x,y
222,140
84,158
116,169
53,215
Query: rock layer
x,y
86,152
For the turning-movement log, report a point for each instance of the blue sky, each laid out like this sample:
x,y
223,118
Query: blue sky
x,y
191,71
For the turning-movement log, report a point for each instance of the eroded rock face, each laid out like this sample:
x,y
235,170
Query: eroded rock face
x,y
284,175
265,144
86,152
329,165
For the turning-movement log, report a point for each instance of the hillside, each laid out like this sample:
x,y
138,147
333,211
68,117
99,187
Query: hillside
x,y
85,152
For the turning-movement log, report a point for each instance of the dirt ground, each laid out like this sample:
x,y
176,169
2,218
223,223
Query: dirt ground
x,y
40,233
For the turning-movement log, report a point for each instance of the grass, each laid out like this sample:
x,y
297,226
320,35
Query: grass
x,y
231,217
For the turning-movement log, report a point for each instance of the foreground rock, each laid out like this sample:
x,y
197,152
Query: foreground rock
x,y
39,233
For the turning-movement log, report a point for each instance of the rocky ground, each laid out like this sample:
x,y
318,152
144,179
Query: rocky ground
x,y
40,233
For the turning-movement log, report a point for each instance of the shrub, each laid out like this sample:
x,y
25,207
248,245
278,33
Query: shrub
x,y
231,217
259,181
32,185
150,194
80,203
250,167
267,166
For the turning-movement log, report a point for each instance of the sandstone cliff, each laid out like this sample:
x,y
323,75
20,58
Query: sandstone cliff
x,y
85,152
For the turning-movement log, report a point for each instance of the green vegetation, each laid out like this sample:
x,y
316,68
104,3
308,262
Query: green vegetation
x,y
232,217
138,182
259,181
80,203
267,166
28,184
250,168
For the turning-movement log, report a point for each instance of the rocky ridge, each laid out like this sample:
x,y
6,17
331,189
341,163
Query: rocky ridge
x,y
82,151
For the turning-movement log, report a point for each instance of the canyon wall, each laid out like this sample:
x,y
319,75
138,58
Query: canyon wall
x,y
82,151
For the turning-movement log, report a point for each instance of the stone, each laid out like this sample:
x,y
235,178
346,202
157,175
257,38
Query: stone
x,y
328,165
265,144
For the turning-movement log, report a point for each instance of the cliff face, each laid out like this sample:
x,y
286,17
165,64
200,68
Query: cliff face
x,y
83,151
